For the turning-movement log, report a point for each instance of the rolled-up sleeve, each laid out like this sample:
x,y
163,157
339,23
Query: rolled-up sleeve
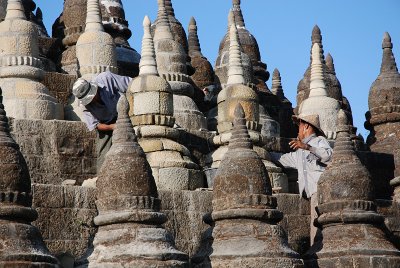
x,y
90,120
286,160
323,151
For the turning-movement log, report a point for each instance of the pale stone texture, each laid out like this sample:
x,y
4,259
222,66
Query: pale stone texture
x,y
171,60
318,101
21,70
237,92
152,105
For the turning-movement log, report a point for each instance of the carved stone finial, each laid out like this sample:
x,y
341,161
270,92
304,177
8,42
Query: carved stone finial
x,y
194,43
317,84
277,84
148,63
15,10
388,60
163,29
240,135
93,17
235,70
231,19
330,64
169,8
316,36
238,15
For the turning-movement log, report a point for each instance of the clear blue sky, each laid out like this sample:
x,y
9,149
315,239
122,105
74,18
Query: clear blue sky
x,y
352,32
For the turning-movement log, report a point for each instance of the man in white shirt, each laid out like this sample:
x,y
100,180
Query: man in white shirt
x,y
311,156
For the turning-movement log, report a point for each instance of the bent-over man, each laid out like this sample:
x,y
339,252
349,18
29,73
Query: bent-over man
x,y
99,98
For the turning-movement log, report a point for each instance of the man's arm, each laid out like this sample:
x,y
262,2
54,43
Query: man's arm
x,y
105,127
323,151
286,160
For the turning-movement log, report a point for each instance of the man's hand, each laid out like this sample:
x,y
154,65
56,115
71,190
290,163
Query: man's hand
x,y
297,144
105,127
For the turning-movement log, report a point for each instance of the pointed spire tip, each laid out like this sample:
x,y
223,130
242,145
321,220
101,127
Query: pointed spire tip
x,y
239,112
146,21
192,21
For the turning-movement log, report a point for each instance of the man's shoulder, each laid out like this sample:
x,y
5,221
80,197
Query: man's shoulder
x,y
318,139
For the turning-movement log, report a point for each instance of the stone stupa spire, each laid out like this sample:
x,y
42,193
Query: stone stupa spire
x,y
383,118
128,204
330,64
277,84
15,10
318,101
21,71
93,17
176,26
172,65
96,53
317,84
95,48
239,20
347,212
242,196
235,71
148,65
162,29
194,43
388,61
21,243
154,123
237,91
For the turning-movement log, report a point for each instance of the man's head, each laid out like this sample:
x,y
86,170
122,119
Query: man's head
x,y
85,91
308,125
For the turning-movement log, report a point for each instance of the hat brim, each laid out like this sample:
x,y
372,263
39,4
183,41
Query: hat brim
x,y
90,95
297,120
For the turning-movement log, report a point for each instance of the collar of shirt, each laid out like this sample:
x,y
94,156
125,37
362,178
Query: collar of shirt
x,y
307,139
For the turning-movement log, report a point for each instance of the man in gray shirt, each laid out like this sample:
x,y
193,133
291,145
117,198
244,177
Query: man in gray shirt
x,y
312,154
99,99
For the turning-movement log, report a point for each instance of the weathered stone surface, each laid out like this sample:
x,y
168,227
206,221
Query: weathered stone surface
x,y
244,211
65,218
130,232
383,118
152,105
347,212
56,150
21,243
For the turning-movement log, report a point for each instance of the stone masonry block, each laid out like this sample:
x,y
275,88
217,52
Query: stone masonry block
x,y
293,204
47,196
180,179
80,197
